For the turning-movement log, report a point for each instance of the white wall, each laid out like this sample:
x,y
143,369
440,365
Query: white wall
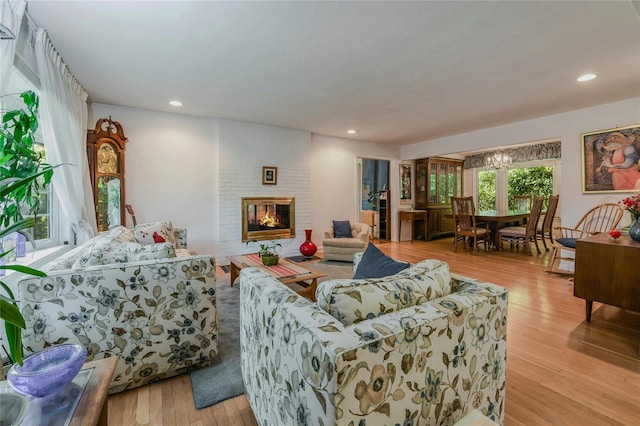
x,y
171,164
244,149
335,185
195,171
567,127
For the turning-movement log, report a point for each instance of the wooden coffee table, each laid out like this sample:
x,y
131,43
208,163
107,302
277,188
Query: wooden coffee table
x,y
307,278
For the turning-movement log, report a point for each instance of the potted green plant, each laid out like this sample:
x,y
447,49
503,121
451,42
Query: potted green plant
x,y
268,252
22,175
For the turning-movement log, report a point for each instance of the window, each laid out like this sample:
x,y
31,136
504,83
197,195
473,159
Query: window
x,y
45,232
537,181
495,189
486,190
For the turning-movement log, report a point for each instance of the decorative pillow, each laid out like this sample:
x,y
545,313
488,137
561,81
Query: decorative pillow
x,y
352,301
123,235
103,252
341,229
135,251
148,233
376,264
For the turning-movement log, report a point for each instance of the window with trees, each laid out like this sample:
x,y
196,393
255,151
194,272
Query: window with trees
x,y
496,188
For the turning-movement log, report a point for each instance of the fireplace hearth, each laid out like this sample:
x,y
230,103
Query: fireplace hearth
x,y
267,218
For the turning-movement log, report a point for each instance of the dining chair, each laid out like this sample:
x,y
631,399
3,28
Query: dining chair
x,y
601,218
545,229
522,202
524,234
466,227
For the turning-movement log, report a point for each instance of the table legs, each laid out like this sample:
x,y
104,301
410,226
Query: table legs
x,y
309,291
589,308
233,269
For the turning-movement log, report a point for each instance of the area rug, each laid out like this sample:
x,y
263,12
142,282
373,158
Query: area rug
x,y
223,379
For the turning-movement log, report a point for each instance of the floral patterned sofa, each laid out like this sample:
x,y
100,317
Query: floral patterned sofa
x,y
153,305
420,347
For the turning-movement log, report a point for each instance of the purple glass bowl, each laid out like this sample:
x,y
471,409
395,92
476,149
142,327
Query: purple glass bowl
x,y
47,371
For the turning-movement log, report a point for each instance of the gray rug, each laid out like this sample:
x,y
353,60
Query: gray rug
x,y
223,379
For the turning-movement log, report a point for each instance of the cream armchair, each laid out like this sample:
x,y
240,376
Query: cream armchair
x,y
344,248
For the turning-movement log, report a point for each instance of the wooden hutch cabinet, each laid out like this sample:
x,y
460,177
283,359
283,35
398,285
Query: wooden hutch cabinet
x,y
105,151
437,180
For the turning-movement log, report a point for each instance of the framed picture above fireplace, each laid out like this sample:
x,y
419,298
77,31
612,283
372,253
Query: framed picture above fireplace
x,y
269,175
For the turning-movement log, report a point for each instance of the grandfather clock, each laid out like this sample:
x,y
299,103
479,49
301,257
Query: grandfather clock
x,y
105,150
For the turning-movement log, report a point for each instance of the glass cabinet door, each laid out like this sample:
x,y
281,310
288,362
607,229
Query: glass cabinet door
x,y
433,184
421,184
108,203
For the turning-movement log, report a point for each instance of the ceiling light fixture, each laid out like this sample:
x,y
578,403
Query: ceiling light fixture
x,y
586,77
497,160
351,132
175,103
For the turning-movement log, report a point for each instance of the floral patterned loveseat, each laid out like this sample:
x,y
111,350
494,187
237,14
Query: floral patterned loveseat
x,y
420,347
151,305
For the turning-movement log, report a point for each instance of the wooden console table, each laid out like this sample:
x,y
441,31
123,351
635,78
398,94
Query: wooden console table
x,y
412,216
607,271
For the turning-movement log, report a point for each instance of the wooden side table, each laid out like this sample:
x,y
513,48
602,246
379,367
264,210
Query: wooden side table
x,y
65,408
410,217
93,408
607,271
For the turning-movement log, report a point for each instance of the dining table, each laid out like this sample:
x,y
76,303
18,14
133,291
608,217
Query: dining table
x,y
499,219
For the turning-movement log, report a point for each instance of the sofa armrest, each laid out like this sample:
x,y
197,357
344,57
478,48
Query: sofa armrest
x,y
362,232
329,233
157,316
299,360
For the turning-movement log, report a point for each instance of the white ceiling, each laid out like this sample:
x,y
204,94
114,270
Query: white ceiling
x,y
398,72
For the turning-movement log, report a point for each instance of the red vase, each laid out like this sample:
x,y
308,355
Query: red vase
x,y
307,248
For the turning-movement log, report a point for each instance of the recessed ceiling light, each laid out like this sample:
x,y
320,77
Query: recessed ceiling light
x,y
351,132
175,103
586,77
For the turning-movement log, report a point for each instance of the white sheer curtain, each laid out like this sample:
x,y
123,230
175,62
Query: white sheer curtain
x,y
11,12
63,115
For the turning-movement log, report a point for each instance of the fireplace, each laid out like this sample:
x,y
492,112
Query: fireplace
x,y
267,218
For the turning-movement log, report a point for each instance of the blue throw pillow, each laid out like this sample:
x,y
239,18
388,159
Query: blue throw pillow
x,y
342,229
376,264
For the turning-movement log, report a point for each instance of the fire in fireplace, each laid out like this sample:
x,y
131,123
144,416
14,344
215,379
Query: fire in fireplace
x,y
266,218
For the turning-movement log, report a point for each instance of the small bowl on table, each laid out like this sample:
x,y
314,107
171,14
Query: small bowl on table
x,y
48,371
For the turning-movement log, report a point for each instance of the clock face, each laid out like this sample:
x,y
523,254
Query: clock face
x,y
107,159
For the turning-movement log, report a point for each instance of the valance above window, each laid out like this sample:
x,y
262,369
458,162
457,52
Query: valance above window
x,y
541,151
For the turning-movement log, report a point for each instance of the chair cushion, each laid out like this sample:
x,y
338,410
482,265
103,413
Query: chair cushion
x,y
514,230
354,243
376,264
351,300
341,229
567,242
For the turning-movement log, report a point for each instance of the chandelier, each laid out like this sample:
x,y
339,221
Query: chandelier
x,y
497,160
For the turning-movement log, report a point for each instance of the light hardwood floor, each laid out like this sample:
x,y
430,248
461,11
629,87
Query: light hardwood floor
x,y
560,370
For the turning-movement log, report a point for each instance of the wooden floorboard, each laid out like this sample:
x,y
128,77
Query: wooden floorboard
x,y
560,369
